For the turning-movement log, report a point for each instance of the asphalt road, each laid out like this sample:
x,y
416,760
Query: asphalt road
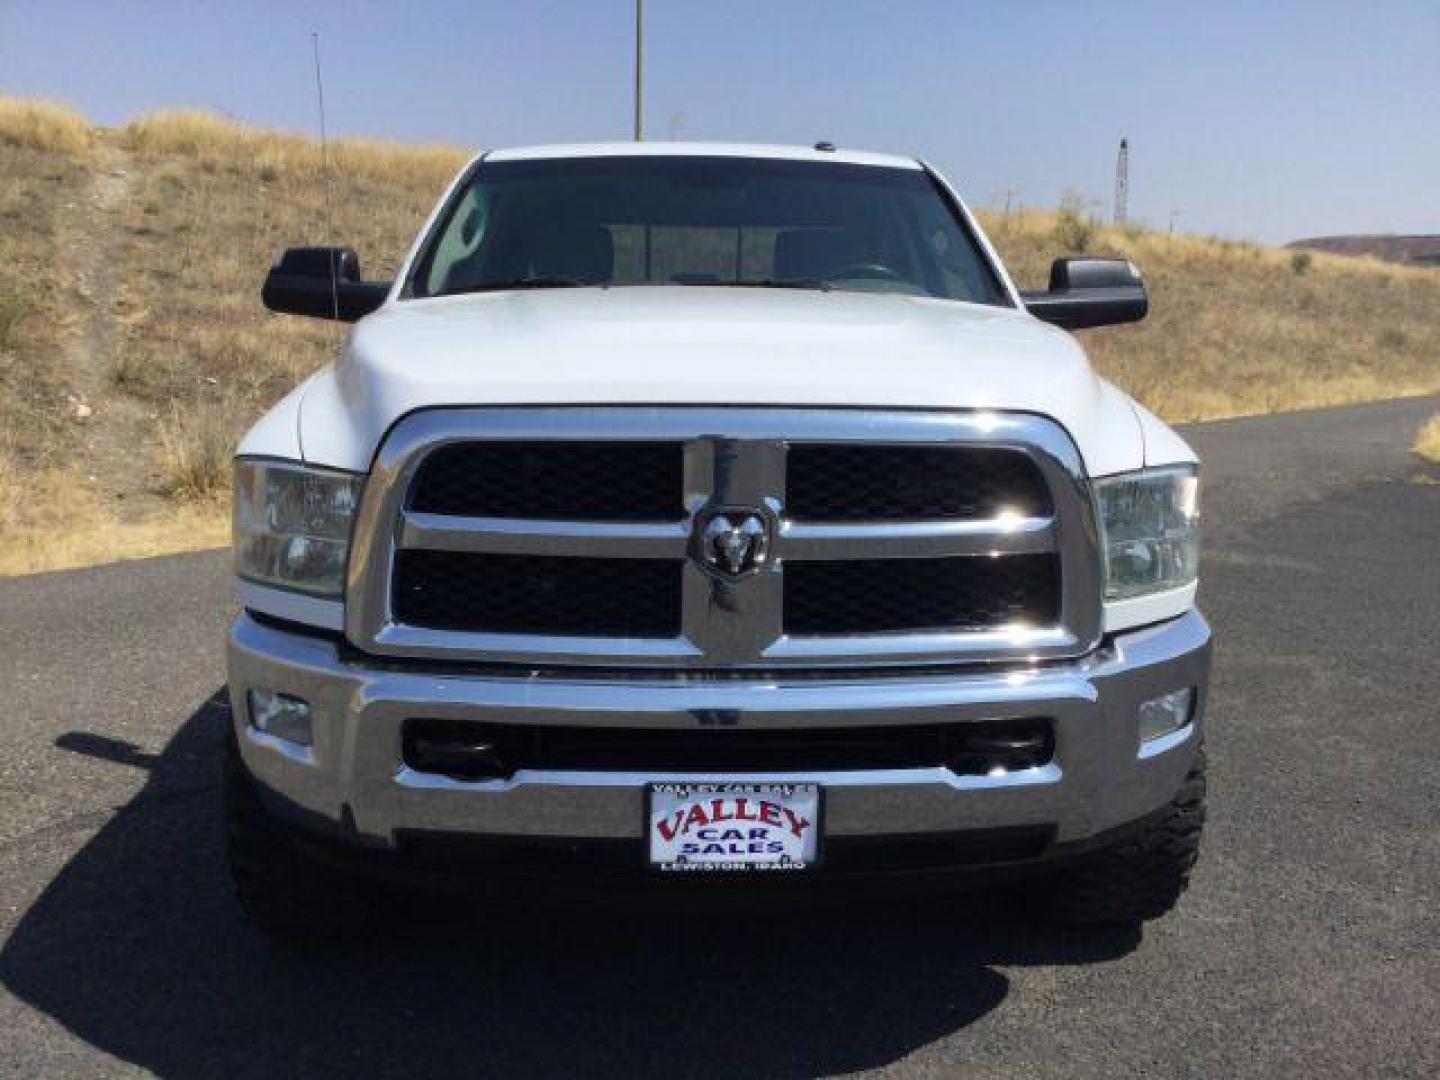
x,y
1309,944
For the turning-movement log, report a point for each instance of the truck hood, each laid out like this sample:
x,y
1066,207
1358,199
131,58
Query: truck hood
x,y
684,345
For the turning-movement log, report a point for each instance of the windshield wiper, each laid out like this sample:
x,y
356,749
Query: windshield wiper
x,y
782,283
534,281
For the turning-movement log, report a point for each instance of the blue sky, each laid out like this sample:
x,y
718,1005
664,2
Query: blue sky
x,y
1269,120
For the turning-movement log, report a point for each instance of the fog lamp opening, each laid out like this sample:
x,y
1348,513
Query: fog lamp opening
x,y
281,716
1167,713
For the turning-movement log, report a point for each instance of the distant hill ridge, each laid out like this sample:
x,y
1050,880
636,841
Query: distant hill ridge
x,y
1416,249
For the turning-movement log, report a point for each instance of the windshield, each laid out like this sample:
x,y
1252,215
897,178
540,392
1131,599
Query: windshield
x,y
720,221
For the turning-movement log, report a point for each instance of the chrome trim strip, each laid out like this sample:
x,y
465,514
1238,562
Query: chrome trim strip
x,y
645,423
1157,746
506,536
732,457
829,778
1018,639
917,539
290,606
397,639
1136,611
303,755
665,701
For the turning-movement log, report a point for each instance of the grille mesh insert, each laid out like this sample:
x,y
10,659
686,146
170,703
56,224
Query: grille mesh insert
x,y
903,595
580,481
446,590
917,483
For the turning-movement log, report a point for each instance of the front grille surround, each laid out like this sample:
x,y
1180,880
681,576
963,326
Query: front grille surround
x,y
733,456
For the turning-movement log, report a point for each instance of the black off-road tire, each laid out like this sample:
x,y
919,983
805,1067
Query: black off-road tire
x,y
283,891
1141,877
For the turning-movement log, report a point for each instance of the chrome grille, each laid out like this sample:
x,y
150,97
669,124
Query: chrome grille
x,y
997,561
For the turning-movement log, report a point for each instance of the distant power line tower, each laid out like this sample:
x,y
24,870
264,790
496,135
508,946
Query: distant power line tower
x,y
1122,182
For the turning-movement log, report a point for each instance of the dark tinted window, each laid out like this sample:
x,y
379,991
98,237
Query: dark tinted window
x,y
703,221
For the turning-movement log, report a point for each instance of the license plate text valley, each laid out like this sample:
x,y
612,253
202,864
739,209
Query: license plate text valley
x,y
693,827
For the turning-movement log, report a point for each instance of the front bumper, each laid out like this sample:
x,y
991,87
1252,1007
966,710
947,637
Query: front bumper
x,y
352,782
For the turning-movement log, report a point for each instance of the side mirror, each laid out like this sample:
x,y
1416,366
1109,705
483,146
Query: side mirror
x,y
1089,292
322,282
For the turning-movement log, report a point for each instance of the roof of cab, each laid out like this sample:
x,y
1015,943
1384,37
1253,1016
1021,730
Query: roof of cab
x,y
700,149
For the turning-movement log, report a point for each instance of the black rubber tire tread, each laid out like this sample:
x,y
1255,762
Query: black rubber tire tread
x,y
280,890
1141,877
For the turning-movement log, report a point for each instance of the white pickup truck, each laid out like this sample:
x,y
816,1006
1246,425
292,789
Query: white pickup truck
x,y
698,518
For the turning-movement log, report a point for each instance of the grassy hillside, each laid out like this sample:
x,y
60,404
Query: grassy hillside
x,y
133,347
1236,328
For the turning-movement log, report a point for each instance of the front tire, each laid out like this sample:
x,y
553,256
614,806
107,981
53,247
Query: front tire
x,y
280,889
1141,877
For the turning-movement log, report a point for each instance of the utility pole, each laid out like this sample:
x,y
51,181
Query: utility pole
x,y
639,67
1122,182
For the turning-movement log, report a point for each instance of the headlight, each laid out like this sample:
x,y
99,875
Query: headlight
x,y
1150,526
292,525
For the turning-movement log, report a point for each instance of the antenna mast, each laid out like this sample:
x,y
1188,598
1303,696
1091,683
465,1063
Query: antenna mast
x,y
639,67
325,177
1122,182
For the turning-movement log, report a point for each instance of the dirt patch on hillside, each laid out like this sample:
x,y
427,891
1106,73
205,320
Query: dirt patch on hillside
x,y
112,446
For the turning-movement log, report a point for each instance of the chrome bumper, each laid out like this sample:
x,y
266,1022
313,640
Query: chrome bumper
x,y
1100,778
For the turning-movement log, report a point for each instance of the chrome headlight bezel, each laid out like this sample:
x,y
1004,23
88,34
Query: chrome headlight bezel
x,y
1149,522
292,525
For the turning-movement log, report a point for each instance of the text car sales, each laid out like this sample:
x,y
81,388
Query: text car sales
x,y
738,826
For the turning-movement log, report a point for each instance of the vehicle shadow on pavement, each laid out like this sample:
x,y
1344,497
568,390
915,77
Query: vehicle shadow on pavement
x,y
138,948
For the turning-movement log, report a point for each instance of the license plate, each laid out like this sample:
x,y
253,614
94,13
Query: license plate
x,y
724,826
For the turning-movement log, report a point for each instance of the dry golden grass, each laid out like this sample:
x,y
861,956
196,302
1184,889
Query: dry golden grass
x,y
188,357
197,446
75,528
180,214
1234,329
51,518
14,306
215,142
1427,443
9,493
43,125
213,204
37,298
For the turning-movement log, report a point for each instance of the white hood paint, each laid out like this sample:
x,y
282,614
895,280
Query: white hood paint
x,y
683,345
